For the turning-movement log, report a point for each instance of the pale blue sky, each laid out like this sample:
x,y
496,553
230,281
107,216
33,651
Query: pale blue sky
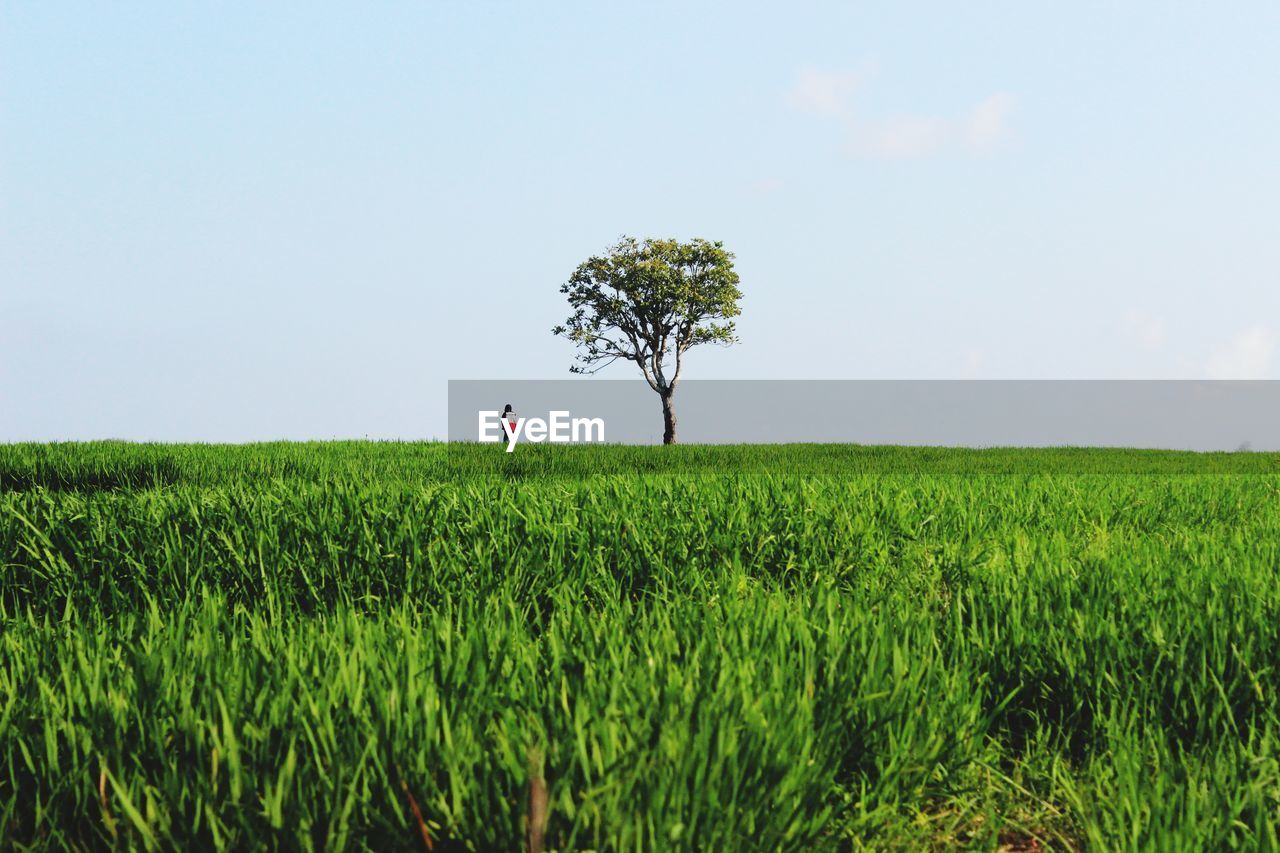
x,y
255,221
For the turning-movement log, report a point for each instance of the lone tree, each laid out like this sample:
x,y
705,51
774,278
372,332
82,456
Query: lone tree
x,y
649,302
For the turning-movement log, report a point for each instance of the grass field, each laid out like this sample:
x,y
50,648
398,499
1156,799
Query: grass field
x,y
357,645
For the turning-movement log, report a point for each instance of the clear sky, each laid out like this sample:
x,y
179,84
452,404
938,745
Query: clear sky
x,y
239,221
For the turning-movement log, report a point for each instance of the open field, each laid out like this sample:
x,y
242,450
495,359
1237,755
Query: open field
x,y
349,645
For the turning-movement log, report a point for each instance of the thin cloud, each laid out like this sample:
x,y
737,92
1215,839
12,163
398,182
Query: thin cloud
x,y
767,186
973,363
832,94
823,92
900,137
1150,332
987,125
1248,355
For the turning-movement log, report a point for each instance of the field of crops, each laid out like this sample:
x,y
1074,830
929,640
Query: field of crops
x,y
392,646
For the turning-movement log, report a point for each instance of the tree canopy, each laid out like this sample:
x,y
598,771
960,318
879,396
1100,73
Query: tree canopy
x,y
649,302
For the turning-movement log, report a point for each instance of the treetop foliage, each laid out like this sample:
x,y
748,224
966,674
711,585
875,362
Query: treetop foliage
x,y
649,302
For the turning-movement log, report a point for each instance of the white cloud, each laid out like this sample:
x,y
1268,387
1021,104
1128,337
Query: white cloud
x,y
973,363
825,92
767,186
987,124
831,93
1150,332
1246,356
900,137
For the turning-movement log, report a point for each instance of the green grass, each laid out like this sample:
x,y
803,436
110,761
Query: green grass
x,y
786,647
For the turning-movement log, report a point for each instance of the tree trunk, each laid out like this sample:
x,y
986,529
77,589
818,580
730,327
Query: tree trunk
x,y
668,419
